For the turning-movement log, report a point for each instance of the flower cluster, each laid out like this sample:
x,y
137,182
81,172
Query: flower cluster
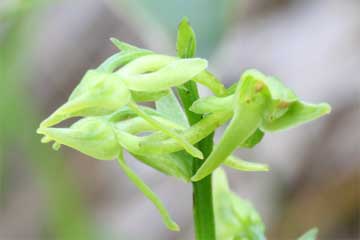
x,y
112,120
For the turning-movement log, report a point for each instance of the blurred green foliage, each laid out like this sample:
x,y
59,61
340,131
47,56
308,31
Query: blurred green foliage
x,y
67,218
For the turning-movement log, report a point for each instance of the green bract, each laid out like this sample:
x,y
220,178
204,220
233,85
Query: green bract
x,y
167,137
236,219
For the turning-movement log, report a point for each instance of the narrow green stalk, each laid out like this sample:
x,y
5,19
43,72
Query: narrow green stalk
x,y
203,212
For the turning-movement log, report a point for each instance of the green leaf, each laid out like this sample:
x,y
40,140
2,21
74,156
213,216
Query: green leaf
x,y
170,224
186,40
309,235
235,218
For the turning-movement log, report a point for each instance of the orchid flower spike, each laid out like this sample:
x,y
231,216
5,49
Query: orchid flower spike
x,y
107,98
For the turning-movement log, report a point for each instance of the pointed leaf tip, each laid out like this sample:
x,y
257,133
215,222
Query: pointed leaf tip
x,y
186,40
184,19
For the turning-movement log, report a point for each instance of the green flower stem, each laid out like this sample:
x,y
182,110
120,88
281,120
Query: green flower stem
x,y
203,210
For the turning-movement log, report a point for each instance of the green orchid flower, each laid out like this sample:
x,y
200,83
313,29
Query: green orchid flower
x,y
259,102
96,137
101,93
97,94
93,136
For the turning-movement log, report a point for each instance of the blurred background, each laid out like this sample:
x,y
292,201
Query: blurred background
x,y
45,48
